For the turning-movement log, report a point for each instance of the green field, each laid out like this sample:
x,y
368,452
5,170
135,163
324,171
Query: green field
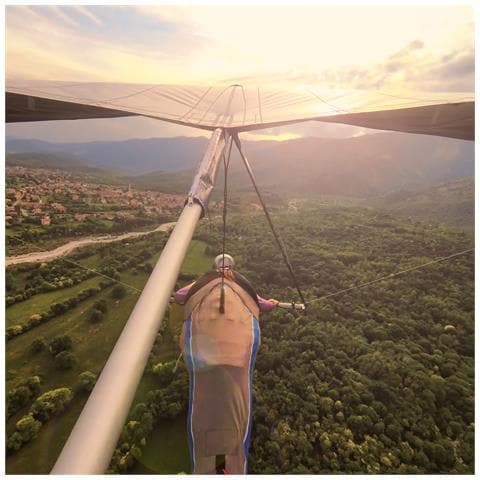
x,y
19,313
166,451
196,261
93,343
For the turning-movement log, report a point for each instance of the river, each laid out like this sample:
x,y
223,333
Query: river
x,y
74,244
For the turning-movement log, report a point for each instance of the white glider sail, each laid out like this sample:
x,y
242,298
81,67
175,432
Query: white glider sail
x,y
242,108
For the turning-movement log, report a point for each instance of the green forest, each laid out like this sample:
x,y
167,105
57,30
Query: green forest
x,y
375,380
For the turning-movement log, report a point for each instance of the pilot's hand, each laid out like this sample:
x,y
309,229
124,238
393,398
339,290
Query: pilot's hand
x,y
275,302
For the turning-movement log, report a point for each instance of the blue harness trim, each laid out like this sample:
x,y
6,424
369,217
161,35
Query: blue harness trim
x,y
256,338
191,374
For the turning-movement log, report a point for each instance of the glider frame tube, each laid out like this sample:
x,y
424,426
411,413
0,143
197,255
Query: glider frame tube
x,y
91,443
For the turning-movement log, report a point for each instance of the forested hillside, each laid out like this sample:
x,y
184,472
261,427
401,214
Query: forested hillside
x,y
50,160
452,203
358,167
376,380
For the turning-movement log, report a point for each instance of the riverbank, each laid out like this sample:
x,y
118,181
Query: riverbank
x,y
48,256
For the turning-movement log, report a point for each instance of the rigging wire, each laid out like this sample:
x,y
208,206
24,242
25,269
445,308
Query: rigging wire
x,y
277,237
329,103
391,275
226,164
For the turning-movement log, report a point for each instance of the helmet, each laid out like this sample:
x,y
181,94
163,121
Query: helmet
x,y
228,263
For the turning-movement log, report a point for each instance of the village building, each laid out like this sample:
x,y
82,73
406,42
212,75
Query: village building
x,y
58,207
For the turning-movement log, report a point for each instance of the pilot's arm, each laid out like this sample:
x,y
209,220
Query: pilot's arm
x,y
181,294
266,305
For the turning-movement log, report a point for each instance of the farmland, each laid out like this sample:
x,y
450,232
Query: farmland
x,y
92,343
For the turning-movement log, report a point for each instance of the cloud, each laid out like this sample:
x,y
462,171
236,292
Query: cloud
x,y
457,64
88,14
65,43
59,12
25,10
406,51
411,68
450,72
177,16
190,43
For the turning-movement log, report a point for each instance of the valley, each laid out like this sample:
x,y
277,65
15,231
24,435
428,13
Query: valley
x,y
375,380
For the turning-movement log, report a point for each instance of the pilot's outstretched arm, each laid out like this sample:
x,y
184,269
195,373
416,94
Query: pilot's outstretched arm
x,y
181,294
266,305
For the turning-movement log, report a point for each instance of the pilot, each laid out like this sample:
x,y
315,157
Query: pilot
x,y
219,341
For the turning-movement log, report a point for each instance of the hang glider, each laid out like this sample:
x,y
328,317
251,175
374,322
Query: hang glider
x,y
241,108
226,111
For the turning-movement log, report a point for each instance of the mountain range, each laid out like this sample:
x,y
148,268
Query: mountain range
x,y
136,156
368,165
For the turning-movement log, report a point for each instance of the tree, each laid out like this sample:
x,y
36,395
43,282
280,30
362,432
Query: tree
x,y
17,399
14,442
13,331
33,384
9,300
51,403
38,345
100,305
119,292
65,360
96,316
86,381
58,308
28,427
326,405
59,344
164,372
10,282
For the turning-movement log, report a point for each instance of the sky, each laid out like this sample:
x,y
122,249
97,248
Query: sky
x,y
424,48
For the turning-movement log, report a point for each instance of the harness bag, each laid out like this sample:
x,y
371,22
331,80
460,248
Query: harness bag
x,y
219,351
220,338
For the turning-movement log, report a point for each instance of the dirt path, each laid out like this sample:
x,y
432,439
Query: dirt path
x,y
74,244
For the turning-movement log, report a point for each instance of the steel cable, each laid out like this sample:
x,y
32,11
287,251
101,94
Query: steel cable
x,y
391,275
277,237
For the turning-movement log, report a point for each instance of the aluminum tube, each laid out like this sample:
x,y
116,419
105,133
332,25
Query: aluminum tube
x,y
291,306
92,441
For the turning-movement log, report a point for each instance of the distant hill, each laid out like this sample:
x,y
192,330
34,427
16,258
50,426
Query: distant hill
x,y
452,203
130,156
63,162
359,167
50,160
162,181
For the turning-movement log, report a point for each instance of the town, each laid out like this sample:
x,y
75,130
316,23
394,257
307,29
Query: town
x,y
43,196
